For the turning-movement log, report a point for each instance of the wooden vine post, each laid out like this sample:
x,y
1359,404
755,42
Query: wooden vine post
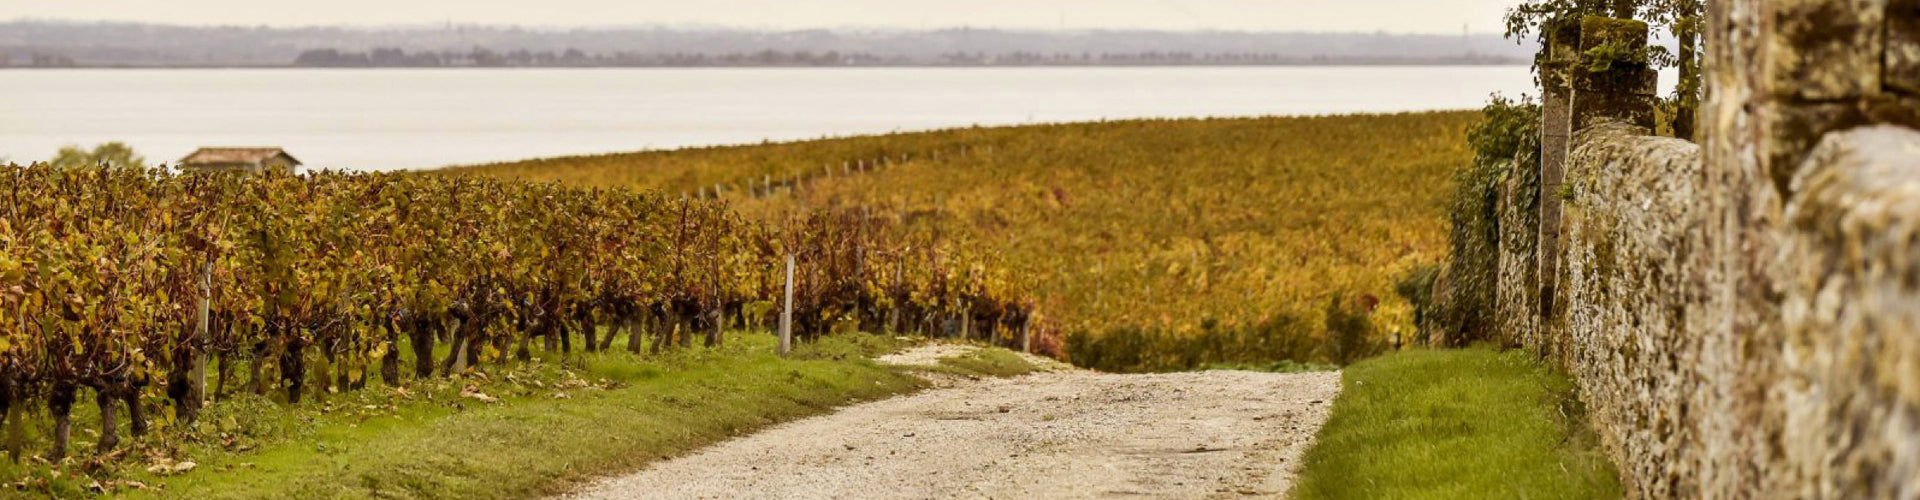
x,y
1026,334
966,324
197,381
786,312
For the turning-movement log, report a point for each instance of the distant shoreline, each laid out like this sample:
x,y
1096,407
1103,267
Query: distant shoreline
x,y
1412,64
135,45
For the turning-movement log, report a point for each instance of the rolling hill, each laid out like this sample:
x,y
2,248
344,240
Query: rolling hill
x,y
1149,230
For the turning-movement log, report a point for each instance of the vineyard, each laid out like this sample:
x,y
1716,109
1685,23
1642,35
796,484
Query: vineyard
x,y
155,291
204,315
1150,245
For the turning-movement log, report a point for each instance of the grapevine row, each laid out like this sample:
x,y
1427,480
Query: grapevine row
x,y
137,285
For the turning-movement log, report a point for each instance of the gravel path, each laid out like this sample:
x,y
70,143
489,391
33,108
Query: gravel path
x,y
1058,434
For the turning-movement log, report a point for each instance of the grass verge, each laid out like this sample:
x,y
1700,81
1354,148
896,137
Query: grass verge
x,y
1469,424
1281,366
522,432
990,362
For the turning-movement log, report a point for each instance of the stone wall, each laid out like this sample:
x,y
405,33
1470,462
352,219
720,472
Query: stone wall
x,y
1631,271
1516,308
1847,399
1742,316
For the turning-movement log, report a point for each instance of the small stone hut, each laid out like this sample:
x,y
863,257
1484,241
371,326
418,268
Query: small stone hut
x,y
250,160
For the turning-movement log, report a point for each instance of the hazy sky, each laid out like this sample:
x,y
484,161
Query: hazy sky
x,y
1399,16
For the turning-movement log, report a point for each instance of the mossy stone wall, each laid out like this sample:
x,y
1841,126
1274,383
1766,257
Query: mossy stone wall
x,y
1743,315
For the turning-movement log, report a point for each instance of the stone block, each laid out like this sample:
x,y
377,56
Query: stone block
x,y
1563,39
1556,76
1612,57
1597,31
1902,73
1894,109
1825,50
1634,80
1792,129
1590,108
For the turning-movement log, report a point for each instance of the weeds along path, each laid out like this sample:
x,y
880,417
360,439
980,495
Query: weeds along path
x,y
1059,434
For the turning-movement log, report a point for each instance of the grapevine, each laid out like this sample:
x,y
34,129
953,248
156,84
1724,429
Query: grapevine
x,y
136,286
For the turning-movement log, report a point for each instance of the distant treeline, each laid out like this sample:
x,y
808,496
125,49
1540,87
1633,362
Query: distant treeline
x,y
58,44
44,61
482,57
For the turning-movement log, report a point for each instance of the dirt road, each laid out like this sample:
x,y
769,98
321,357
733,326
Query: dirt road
x,y
1060,434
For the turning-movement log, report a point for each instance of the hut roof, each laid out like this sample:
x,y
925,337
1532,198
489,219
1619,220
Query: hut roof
x,y
252,156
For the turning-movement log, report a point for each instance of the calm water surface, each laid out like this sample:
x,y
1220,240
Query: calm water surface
x,y
388,119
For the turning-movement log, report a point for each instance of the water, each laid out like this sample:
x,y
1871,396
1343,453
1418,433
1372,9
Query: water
x,y
389,119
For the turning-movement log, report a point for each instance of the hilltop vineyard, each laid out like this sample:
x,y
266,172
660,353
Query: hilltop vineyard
x,y
157,291
1153,245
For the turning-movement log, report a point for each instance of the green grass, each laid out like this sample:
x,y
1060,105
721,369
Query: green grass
x,y
990,362
1467,424
551,426
1281,366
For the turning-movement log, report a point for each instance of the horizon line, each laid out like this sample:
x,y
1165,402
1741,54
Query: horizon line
x,y
693,26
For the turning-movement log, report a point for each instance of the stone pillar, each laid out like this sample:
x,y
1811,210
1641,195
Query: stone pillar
x,y
1612,80
1556,135
1594,71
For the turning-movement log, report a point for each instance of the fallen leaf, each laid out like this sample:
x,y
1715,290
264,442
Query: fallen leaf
x,y
471,392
